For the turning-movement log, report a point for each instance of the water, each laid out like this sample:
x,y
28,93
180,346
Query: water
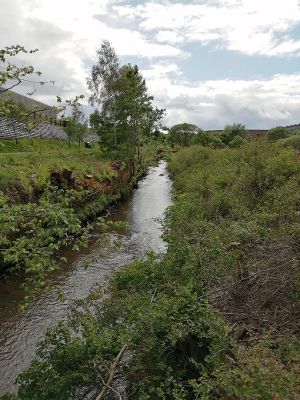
x,y
20,332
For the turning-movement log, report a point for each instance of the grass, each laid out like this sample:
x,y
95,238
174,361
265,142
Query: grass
x,y
33,160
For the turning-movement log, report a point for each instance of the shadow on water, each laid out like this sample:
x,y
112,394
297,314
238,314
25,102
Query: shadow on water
x,y
20,332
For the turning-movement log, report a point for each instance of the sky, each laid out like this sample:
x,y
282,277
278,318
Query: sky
x,y
207,62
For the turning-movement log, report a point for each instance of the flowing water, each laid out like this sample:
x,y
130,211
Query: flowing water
x,y
20,332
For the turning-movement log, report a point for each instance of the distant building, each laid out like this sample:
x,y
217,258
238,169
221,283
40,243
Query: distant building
x,y
31,104
49,128
257,133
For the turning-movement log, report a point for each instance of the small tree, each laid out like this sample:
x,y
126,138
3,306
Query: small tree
x,y
217,142
201,137
182,134
277,133
70,130
236,142
79,123
231,131
104,83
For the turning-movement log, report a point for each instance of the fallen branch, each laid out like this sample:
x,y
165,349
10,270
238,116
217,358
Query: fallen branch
x,y
114,390
112,373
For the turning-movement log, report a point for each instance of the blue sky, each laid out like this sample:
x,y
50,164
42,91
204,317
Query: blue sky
x,y
208,62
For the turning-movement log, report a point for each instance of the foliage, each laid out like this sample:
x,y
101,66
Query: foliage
x,y
182,134
127,112
201,137
277,133
236,142
12,72
217,142
258,375
31,233
291,141
231,131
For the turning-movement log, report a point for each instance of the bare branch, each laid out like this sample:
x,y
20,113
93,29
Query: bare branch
x,y
112,372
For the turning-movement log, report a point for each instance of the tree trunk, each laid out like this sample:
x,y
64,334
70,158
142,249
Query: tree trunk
x,y
115,127
139,145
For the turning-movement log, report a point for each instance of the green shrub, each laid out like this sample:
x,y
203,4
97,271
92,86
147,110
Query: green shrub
x,y
291,141
277,133
236,142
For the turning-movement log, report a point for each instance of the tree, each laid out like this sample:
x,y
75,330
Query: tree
x,y
236,142
104,83
230,131
277,133
126,106
135,108
201,137
182,134
79,122
217,142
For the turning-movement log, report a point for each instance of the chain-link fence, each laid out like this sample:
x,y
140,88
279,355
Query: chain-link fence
x,y
11,129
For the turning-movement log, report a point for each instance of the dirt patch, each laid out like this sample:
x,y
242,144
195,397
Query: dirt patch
x,y
263,297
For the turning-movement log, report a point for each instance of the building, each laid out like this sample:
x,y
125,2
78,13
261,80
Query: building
x,y
31,104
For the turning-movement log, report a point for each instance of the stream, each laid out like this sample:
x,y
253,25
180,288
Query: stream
x,y
20,332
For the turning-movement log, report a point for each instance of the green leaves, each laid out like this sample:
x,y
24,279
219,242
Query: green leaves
x,y
31,233
182,134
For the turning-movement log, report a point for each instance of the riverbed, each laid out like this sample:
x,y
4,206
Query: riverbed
x,y
20,332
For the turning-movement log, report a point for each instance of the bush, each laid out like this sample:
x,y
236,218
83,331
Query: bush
x,y
291,141
231,131
236,142
217,142
277,133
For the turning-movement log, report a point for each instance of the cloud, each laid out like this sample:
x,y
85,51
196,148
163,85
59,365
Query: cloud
x,y
249,26
159,71
155,34
213,104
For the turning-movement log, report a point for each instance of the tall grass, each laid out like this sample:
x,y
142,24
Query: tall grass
x,y
31,164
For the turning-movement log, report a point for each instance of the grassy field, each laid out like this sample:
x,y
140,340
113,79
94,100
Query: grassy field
x,y
29,163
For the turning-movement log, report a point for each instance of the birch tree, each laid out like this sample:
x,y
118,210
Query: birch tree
x,y
104,83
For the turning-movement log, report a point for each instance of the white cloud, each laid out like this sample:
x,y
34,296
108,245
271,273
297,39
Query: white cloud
x,y
68,33
159,71
248,26
213,104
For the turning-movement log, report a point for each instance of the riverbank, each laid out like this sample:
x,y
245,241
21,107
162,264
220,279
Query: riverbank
x,y
38,221
20,332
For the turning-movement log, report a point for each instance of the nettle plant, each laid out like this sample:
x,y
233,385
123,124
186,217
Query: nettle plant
x,y
31,233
